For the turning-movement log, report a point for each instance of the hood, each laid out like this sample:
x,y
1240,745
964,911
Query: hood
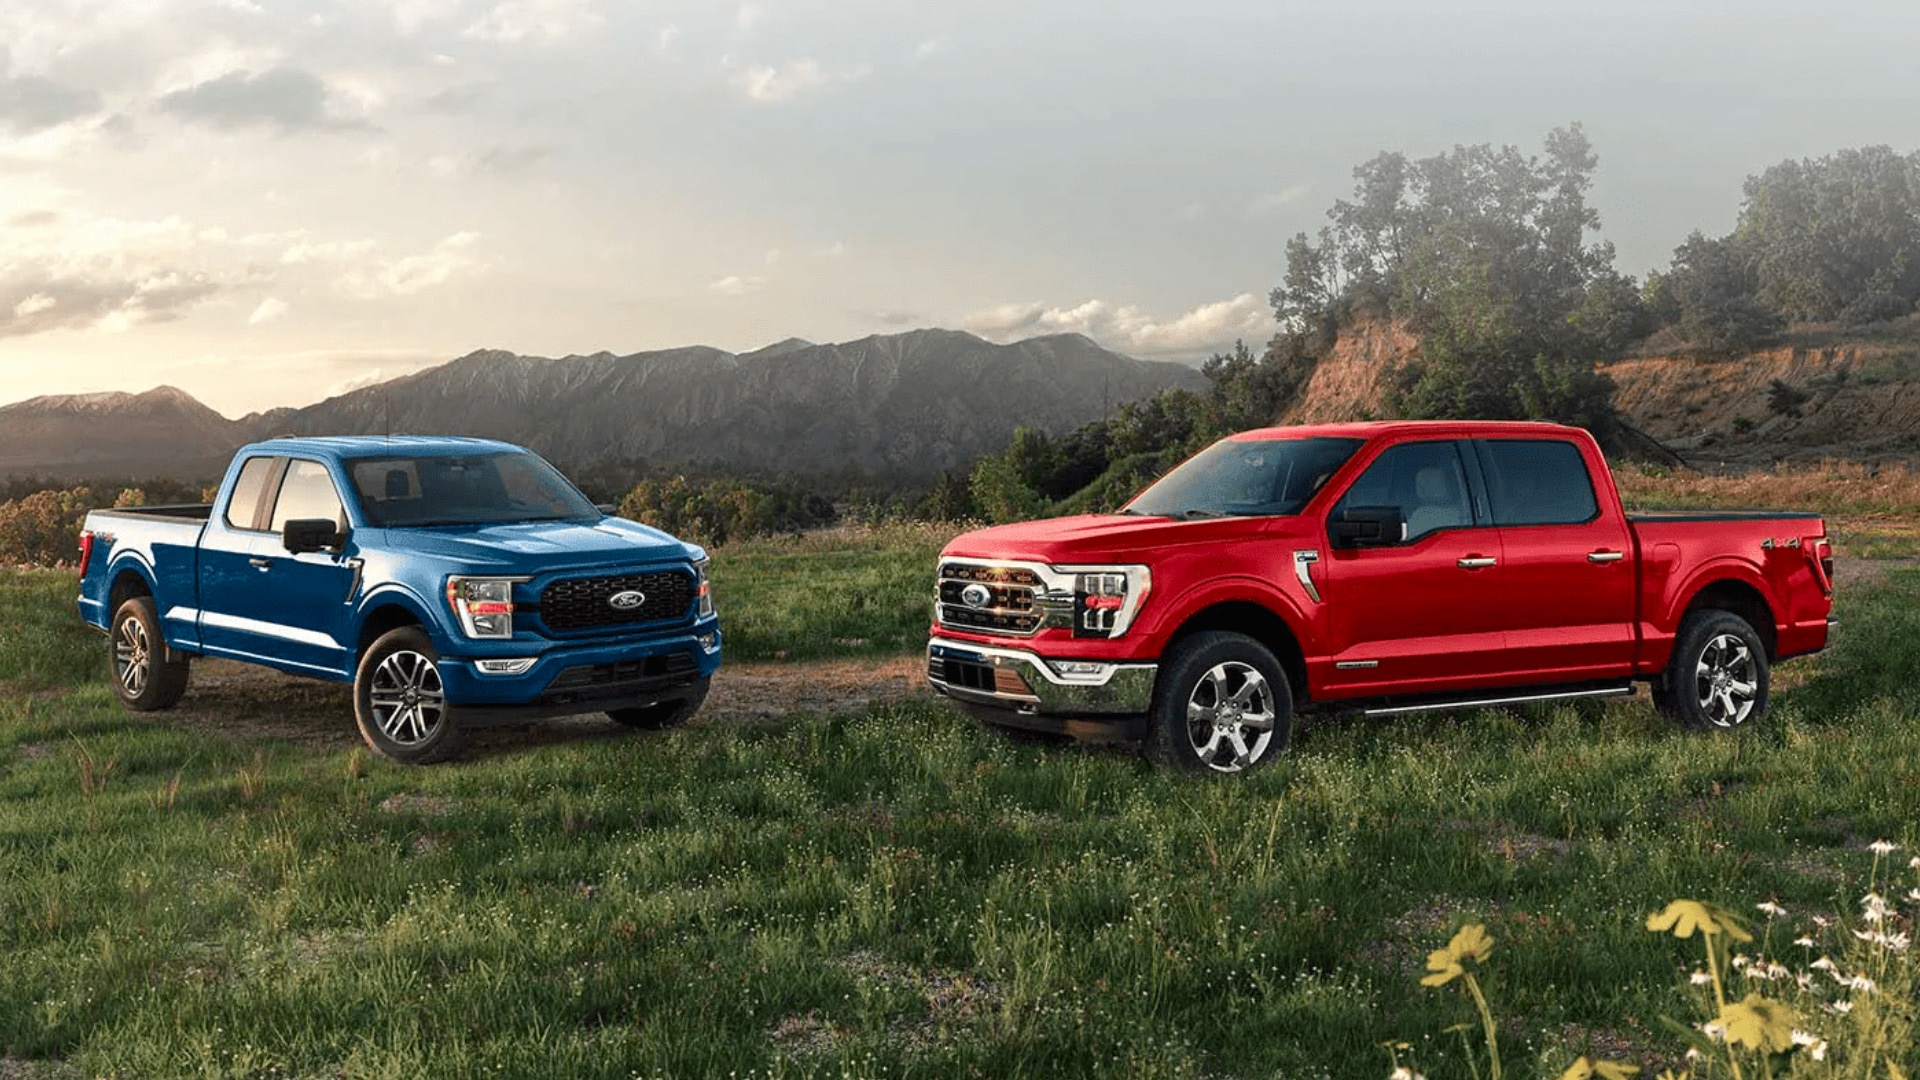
x,y
536,547
1106,537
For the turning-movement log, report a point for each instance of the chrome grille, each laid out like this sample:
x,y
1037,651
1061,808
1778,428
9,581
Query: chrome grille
x,y
1018,606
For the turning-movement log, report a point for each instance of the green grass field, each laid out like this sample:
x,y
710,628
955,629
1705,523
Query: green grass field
x,y
899,893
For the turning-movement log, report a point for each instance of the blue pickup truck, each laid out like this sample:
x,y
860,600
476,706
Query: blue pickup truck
x,y
453,582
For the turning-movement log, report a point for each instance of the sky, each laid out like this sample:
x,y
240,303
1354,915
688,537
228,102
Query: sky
x,y
266,202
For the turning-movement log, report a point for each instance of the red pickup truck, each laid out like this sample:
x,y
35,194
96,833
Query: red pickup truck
x,y
1378,567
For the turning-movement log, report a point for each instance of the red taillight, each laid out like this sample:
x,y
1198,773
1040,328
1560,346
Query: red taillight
x,y
1822,551
86,550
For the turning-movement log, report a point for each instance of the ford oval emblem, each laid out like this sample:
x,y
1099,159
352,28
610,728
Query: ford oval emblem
x,y
626,601
976,595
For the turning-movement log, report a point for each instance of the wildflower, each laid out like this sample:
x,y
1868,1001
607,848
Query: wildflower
x,y
1883,847
1699,978
1740,960
1873,907
1816,1046
1446,965
1862,984
1804,981
1777,970
1914,863
1405,1073
1914,895
1770,909
1682,917
1822,964
1807,942
1714,1030
1759,1023
1840,1008
1822,922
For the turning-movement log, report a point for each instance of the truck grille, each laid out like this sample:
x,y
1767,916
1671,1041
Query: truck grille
x,y
582,603
1015,604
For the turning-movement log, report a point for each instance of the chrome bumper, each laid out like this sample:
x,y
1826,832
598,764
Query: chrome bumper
x,y
1025,683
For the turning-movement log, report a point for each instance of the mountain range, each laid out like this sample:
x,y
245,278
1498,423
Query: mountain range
x,y
900,407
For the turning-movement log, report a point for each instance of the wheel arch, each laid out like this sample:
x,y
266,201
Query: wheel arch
x,y
1257,621
1742,598
385,612
129,578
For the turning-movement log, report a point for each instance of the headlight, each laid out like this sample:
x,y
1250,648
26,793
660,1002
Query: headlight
x,y
702,588
1106,598
484,606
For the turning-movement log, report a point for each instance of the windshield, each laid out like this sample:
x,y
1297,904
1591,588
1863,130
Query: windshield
x,y
1245,477
482,489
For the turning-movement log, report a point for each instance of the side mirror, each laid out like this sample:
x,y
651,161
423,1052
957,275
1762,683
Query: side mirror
x,y
1369,526
606,508
311,534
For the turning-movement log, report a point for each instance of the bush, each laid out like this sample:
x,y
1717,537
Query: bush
x,y
43,529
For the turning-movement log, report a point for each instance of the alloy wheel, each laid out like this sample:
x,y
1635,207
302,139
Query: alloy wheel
x,y
1230,717
409,702
1726,681
132,656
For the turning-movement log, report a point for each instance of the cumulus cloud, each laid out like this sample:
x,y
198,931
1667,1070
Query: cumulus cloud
x,y
736,284
1206,329
516,22
771,85
317,251
414,273
270,309
288,99
106,274
31,103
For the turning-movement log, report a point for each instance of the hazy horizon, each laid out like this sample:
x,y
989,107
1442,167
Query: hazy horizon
x,y
267,205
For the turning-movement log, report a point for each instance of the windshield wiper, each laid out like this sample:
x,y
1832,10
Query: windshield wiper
x,y
1197,512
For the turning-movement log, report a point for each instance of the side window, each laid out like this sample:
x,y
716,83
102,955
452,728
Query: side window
x,y
1538,482
1425,480
307,492
244,506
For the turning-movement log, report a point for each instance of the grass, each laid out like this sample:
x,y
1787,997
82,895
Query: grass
x,y
856,591
899,893
1870,509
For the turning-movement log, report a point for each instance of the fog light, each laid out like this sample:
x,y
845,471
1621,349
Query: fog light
x,y
1080,668
709,640
506,667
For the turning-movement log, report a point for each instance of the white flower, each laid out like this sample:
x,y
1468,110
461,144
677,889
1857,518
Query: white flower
x,y
1862,983
1822,922
1714,1031
1840,1008
1805,981
1777,971
1883,847
1914,863
1741,960
1873,907
1804,942
1699,978
1405,1073
1914,895
1822,964
1770,909
1816,1046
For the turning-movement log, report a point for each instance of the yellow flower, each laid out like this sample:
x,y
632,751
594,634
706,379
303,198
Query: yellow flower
x,y
1582,1069
1764,1025
1445,965
1683,917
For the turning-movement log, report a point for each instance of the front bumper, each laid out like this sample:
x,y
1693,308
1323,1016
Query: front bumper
x,y
1028,685
572,678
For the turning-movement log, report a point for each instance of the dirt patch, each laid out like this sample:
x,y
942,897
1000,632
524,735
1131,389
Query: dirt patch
x,y
239,701
1864,573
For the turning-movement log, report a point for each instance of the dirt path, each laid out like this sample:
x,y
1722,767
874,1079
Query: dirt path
x,y
234,700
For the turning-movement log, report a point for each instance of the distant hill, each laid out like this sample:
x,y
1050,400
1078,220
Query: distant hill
x,y
901,406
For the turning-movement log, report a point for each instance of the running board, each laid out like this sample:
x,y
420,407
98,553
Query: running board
x,y
1517,699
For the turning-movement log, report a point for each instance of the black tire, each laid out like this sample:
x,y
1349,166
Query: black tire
x,y
400,703
1188,730
1717,678
143,677
662,714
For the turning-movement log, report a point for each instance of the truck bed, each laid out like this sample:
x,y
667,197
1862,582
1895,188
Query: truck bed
x,y
1651,516
190,513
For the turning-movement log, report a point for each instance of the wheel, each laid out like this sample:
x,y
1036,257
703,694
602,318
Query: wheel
x,y
143,677
1221,705
399,702
662,714
1717,676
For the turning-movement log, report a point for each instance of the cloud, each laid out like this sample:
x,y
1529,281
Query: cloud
x,y
107,274
415,273
31,104
748,16
770,85
771,257
1206,329
314,251
896,318
833,251
1274,200
669,37
504,160
930,47
270,309
285,98
519,21
735,284
1192,211
33,302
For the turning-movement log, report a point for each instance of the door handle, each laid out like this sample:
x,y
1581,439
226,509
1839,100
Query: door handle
x,y
1476,562
1605,556
259,563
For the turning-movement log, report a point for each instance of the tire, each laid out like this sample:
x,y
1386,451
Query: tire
x,y
143,678
1188,730
1717,678
400,703
662,714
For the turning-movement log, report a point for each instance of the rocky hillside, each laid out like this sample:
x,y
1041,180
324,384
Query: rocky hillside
x,y
902,406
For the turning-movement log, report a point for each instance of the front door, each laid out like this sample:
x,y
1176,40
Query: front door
x,y
297,605
1416,615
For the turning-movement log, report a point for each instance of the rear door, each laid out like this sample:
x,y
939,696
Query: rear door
x,y
1417,615
1567,599
226,576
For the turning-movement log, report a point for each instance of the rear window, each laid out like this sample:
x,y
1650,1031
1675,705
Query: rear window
x,y
1538,482
244,507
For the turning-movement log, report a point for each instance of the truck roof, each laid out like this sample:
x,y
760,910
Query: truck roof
x,y
1373,428
340,447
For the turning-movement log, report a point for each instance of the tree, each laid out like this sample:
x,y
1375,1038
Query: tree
x,y
1715,288
1838,237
